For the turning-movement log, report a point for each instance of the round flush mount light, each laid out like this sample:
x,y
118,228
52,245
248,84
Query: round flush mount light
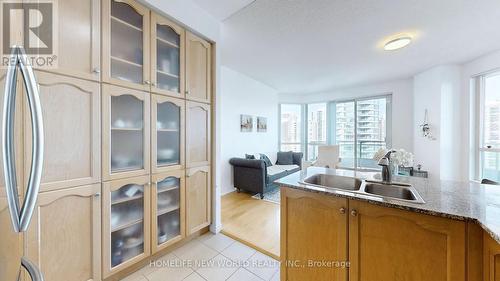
x,y
397,43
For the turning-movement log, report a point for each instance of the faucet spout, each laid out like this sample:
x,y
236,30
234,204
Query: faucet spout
x,y
385,162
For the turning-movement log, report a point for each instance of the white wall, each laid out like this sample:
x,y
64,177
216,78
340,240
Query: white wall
x,y
402,105
438,91
244,95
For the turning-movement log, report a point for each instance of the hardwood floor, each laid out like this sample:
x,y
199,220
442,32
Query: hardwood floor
x,y
253,222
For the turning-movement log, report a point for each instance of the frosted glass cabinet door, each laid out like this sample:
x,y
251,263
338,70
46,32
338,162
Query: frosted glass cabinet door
x,y
168,209
168,133
167,57
126,223
125,132
126,44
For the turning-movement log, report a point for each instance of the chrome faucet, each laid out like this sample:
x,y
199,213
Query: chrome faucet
x,y
385,162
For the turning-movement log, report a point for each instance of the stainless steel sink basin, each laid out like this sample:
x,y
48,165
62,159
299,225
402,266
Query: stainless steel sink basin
x,y
398,191
333,181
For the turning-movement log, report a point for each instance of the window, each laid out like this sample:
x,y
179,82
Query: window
x,y
316,128
360,128
291,137
489,135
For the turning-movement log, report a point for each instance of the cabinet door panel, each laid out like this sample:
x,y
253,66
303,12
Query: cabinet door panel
x,y
313,228
125,46
198,69
71,117
167,57
79,39
198,199
11,249
390,244
167,139
126,223
168,209
64,235
491,260
126,132
198,126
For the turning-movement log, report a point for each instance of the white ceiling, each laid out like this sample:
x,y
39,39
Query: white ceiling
x,y
308,46
222,9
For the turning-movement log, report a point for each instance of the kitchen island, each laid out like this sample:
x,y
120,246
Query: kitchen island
x,y
453,235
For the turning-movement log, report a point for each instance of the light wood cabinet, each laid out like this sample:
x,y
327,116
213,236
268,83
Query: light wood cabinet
x,y
126,223
198,199
168,134
313,229
125,44
167,57
391,244
11,246
64,235
491,260
71,116
198,132
168,209
198,69
79,33
125,132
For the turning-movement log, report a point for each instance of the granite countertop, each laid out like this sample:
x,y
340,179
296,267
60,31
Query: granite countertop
x,y
456,200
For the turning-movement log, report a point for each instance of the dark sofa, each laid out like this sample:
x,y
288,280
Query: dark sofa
x,y
252,174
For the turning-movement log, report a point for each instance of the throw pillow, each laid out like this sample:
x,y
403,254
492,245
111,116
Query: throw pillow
x,y
249,156
266,159
285,158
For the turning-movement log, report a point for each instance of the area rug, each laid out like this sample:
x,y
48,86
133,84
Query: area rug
x,y
272,195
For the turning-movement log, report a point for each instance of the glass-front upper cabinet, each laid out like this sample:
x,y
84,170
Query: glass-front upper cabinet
x,y
168,209
126,223
168,133
126,44
167,57
126,130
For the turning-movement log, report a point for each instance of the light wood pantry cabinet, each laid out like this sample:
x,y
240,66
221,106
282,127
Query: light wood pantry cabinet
x,y
79,33
198,134
64,236
198,199
125,46
125,132
391,244
313,229
11,243
491,260
71,115
168,133
168,209
126,223
198,69
167,57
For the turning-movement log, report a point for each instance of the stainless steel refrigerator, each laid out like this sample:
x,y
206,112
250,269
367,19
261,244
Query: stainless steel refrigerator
x,y
17,203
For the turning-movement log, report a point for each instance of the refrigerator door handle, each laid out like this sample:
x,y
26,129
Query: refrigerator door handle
x,y
32,269
22,218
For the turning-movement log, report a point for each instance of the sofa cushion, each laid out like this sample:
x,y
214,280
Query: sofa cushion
x,y
277,169
266,159
285,158
249,156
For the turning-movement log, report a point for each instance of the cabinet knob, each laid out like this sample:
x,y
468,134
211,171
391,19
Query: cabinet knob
x,y
153,84
147,82
354,213
96,70
188,92
97,194
342,210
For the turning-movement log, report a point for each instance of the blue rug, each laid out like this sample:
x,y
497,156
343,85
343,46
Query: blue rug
x,y
272,195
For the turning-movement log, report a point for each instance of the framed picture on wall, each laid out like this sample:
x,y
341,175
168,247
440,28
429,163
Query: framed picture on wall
x,y
246,123
261,124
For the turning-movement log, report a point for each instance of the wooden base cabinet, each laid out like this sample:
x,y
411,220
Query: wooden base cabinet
x,y
383,243
198,199
491,260
313,229
168,209
126,223
390,244
64,235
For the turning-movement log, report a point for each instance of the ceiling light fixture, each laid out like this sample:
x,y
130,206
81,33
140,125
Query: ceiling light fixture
x,y
397,43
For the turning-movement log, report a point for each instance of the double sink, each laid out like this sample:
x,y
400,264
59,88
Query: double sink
x,y
379,189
